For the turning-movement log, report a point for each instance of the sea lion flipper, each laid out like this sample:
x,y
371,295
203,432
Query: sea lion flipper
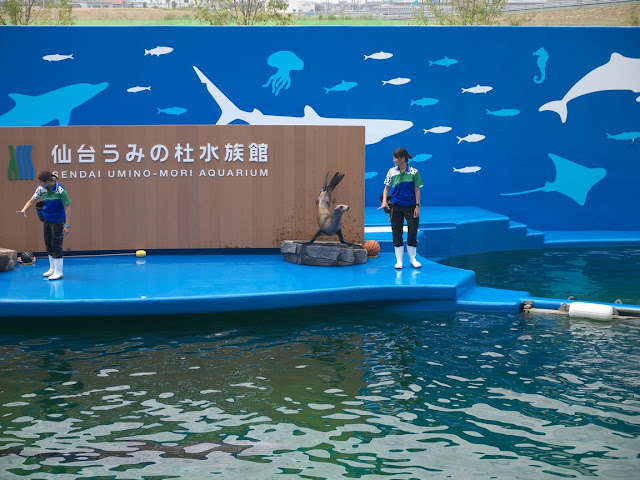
x,y
318,233
337,178
342,240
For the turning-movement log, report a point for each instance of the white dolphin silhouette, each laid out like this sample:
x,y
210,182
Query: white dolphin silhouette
x,y
375,129
619,73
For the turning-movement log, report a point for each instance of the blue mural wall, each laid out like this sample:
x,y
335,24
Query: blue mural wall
x,y
540,124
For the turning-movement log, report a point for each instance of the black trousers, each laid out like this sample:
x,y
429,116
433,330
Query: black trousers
x,y
398,215
53,238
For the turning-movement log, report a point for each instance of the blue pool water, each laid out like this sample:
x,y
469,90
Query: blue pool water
x,y
590,274
332,393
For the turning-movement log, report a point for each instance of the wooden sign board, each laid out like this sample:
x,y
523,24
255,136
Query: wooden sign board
x,y
182,187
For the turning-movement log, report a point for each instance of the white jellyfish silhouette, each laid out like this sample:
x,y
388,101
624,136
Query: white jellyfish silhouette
x,y
284,61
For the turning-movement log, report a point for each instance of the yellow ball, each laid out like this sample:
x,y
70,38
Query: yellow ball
x,y
141,254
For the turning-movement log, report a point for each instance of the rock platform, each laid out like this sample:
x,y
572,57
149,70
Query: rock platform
x,y
324,254
8,259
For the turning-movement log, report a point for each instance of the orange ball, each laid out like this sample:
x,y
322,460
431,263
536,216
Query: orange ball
x,y
372,247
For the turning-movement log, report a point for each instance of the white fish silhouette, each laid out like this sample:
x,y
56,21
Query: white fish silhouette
x,y
379,56
440,129
137,89
477,89
474,137
158,51
396,81
467,169
57,57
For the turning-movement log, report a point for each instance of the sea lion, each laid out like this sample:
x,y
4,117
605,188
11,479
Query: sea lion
x,y
329,221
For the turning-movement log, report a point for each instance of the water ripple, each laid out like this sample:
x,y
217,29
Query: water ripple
x,y
376,399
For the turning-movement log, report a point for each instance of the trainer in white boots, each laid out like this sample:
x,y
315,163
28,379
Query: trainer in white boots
x,y
401,195
54,213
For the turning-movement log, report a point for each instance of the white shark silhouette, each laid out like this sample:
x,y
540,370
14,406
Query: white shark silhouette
x,y
619,73
375,129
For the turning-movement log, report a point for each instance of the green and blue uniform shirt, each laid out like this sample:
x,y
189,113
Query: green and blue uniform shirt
x,y
402,185
54,202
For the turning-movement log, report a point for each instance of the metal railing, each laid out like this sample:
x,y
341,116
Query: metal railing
x,y
404,11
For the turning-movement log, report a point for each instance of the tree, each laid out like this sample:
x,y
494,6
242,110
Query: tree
x,y
242,12
459,12
19,12
62,13
27,12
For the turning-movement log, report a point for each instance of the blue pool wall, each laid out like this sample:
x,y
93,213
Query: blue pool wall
x,y
580,174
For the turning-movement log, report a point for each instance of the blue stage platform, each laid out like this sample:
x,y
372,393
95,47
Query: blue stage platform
x,y
109,285
176,284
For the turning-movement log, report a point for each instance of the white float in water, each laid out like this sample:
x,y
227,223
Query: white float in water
x,y
592,311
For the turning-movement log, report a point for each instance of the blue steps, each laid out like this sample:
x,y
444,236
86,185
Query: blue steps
x,y
449,231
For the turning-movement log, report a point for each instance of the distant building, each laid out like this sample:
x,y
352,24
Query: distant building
x,y
301,6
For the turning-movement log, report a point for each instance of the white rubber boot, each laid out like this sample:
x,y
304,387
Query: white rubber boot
x,y
52,269
412,257
57,264
399,253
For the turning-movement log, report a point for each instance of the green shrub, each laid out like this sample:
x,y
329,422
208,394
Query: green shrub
x,y
515,20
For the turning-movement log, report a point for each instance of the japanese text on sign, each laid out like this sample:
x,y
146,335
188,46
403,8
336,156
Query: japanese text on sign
x,y
182,153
